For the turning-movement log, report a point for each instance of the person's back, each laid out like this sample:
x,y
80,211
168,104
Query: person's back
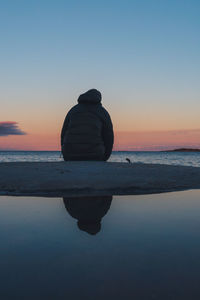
x,y
87,132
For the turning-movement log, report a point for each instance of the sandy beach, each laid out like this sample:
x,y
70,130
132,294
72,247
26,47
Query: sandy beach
x,y
94,178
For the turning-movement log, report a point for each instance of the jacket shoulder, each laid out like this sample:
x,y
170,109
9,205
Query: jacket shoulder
x,y
73,109
105,113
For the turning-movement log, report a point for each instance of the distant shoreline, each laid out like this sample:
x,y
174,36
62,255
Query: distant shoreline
x,y
183,150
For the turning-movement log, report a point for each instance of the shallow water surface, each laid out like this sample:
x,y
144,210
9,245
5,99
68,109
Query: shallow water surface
x,y
125,247
149,157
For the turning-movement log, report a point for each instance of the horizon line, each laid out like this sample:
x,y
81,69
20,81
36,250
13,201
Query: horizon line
x,y
143,150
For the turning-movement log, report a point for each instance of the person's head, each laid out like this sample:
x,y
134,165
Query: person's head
x,y
91,96
91,227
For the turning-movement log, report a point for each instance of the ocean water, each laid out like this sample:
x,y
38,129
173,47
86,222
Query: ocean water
x,y
126,247
169,158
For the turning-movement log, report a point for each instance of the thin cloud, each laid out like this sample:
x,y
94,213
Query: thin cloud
x,y
10,128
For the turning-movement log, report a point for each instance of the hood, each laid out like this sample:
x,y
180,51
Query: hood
x,y
92,96
89,227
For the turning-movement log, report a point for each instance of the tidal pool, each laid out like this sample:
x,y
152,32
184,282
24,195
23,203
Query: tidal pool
x,y
120,247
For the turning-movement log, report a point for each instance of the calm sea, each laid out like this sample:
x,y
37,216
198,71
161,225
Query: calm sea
x,y
170,158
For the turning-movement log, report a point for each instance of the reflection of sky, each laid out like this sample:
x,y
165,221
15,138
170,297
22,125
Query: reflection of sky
x,y
142,55
148,245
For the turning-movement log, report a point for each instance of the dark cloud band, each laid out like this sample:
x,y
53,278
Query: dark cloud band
x,y
10,128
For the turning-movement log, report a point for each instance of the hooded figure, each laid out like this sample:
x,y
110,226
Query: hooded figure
x,y
88,211
87,132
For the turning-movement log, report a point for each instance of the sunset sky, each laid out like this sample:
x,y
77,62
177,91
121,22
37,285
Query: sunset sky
x,y
142,55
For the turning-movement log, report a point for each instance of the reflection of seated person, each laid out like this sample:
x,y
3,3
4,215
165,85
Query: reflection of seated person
x,y
88,211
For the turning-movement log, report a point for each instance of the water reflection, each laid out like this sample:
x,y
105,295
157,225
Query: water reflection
x,y
88,211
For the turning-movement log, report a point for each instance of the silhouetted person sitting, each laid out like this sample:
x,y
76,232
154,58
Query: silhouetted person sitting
x,y
88,211
87,132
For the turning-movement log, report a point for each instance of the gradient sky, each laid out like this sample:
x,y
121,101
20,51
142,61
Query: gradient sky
x,y
142,55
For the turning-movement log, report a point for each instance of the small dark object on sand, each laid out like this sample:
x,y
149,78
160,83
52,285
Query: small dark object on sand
x,y
128,160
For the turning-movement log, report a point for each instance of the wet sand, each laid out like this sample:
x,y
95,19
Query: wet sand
x,y
94,178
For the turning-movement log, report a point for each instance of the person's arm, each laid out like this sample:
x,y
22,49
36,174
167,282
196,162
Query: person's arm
x,y
64,129
108,135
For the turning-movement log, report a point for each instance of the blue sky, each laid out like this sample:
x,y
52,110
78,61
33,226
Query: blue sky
x,y
142,55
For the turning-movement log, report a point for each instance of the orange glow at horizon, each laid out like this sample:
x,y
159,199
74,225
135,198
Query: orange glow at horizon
x,y
157,140
32,142
154,140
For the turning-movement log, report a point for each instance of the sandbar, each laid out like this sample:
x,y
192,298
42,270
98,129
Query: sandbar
x,y
55,179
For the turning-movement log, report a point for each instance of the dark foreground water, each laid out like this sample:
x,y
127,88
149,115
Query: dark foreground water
x,y
147,247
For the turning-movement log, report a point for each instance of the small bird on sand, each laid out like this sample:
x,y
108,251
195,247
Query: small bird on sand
x,y
128,160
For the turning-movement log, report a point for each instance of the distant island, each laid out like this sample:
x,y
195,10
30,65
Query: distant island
x,y
183,150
